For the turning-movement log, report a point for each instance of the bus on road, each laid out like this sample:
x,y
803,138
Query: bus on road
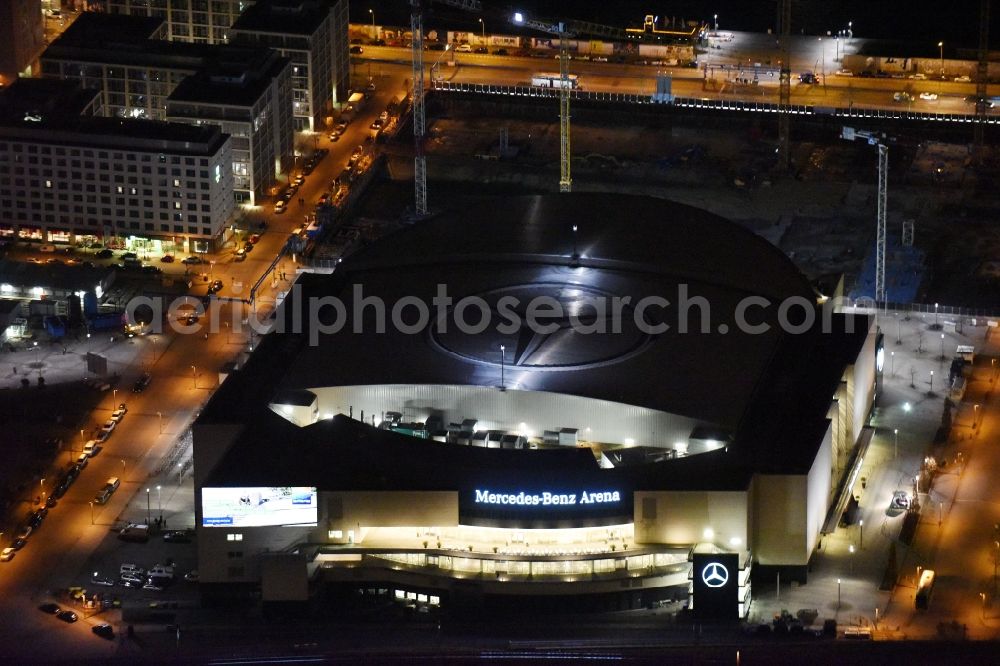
x,y
549,80
924,589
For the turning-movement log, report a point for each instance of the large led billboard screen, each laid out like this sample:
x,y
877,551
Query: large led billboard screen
x,y
258,507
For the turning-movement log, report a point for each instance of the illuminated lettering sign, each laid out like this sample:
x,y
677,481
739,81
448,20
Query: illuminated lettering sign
x,y
547,499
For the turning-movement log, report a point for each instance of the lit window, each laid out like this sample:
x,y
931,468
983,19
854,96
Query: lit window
x,y
48,184
335,534
177,183
234,537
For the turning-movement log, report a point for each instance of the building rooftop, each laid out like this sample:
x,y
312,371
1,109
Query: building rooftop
x,y
221,83
62,277
48,97
91,28
283,17
770,390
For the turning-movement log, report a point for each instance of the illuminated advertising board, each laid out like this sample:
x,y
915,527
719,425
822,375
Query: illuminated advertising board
x,y
716,586
533,505
259,507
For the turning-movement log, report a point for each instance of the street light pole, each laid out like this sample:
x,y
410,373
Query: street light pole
x,y
159,502
941,49
861,534
503,353
483,26
716,17
91,512
194,376
850,549
123,468
838,594
895,443
147,506
372,12
160,414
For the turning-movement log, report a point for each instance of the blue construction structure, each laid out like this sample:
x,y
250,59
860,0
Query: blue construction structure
x,y
904,270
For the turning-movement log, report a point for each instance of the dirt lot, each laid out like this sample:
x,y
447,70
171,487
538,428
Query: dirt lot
x,y
33,421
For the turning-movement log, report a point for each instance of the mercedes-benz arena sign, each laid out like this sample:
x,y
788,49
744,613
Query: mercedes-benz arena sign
x,y
716,586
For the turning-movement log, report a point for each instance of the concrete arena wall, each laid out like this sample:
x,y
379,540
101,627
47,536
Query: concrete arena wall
x,y
597,420
781,520
676,517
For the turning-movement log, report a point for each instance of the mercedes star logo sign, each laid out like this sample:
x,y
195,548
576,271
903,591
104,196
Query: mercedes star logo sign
x,y
715,574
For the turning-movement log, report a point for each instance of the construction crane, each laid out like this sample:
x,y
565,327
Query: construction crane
x,y
563,30
560,30
785,84
876,139
982,72
419,112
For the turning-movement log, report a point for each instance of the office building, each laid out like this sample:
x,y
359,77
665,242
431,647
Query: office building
x,y
308,33
194,21
246,91
22,38
68,176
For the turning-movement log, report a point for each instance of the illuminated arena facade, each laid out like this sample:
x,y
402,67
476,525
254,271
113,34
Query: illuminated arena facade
x,y
612,460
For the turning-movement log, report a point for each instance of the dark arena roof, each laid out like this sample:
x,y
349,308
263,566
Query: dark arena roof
x,y
770,390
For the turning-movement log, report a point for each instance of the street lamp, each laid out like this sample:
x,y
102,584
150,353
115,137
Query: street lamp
x,y
483,27
194,376
838,594
931,390
147,506
892,363
935,315
975,415
861,534
716,18
160,414
575,255
982,595
895,443
91,512
180,474
850,549
372,12
941,49
159,502
123,468
942,346
503,353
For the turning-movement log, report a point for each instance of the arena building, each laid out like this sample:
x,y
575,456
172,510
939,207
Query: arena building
x,y
522,440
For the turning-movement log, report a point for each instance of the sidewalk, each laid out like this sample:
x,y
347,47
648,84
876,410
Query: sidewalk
x,y
849,564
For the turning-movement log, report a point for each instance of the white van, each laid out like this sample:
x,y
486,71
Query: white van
x,y
161,570
463,48
131,570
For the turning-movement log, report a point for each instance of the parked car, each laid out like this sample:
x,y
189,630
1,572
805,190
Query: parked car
x,y
902,97
481,50
91,448
356,50
7,554
963,79
104,630
102,580
500,52
918,77
104,254
141,383
67,616
177,536
191,576
900,500
167,258
463,48
191,260
844,72
81,461
280,207
215,287
119,413
49,608
929,96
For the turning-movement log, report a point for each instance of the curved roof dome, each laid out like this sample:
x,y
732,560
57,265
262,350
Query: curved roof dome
x,y
632,253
